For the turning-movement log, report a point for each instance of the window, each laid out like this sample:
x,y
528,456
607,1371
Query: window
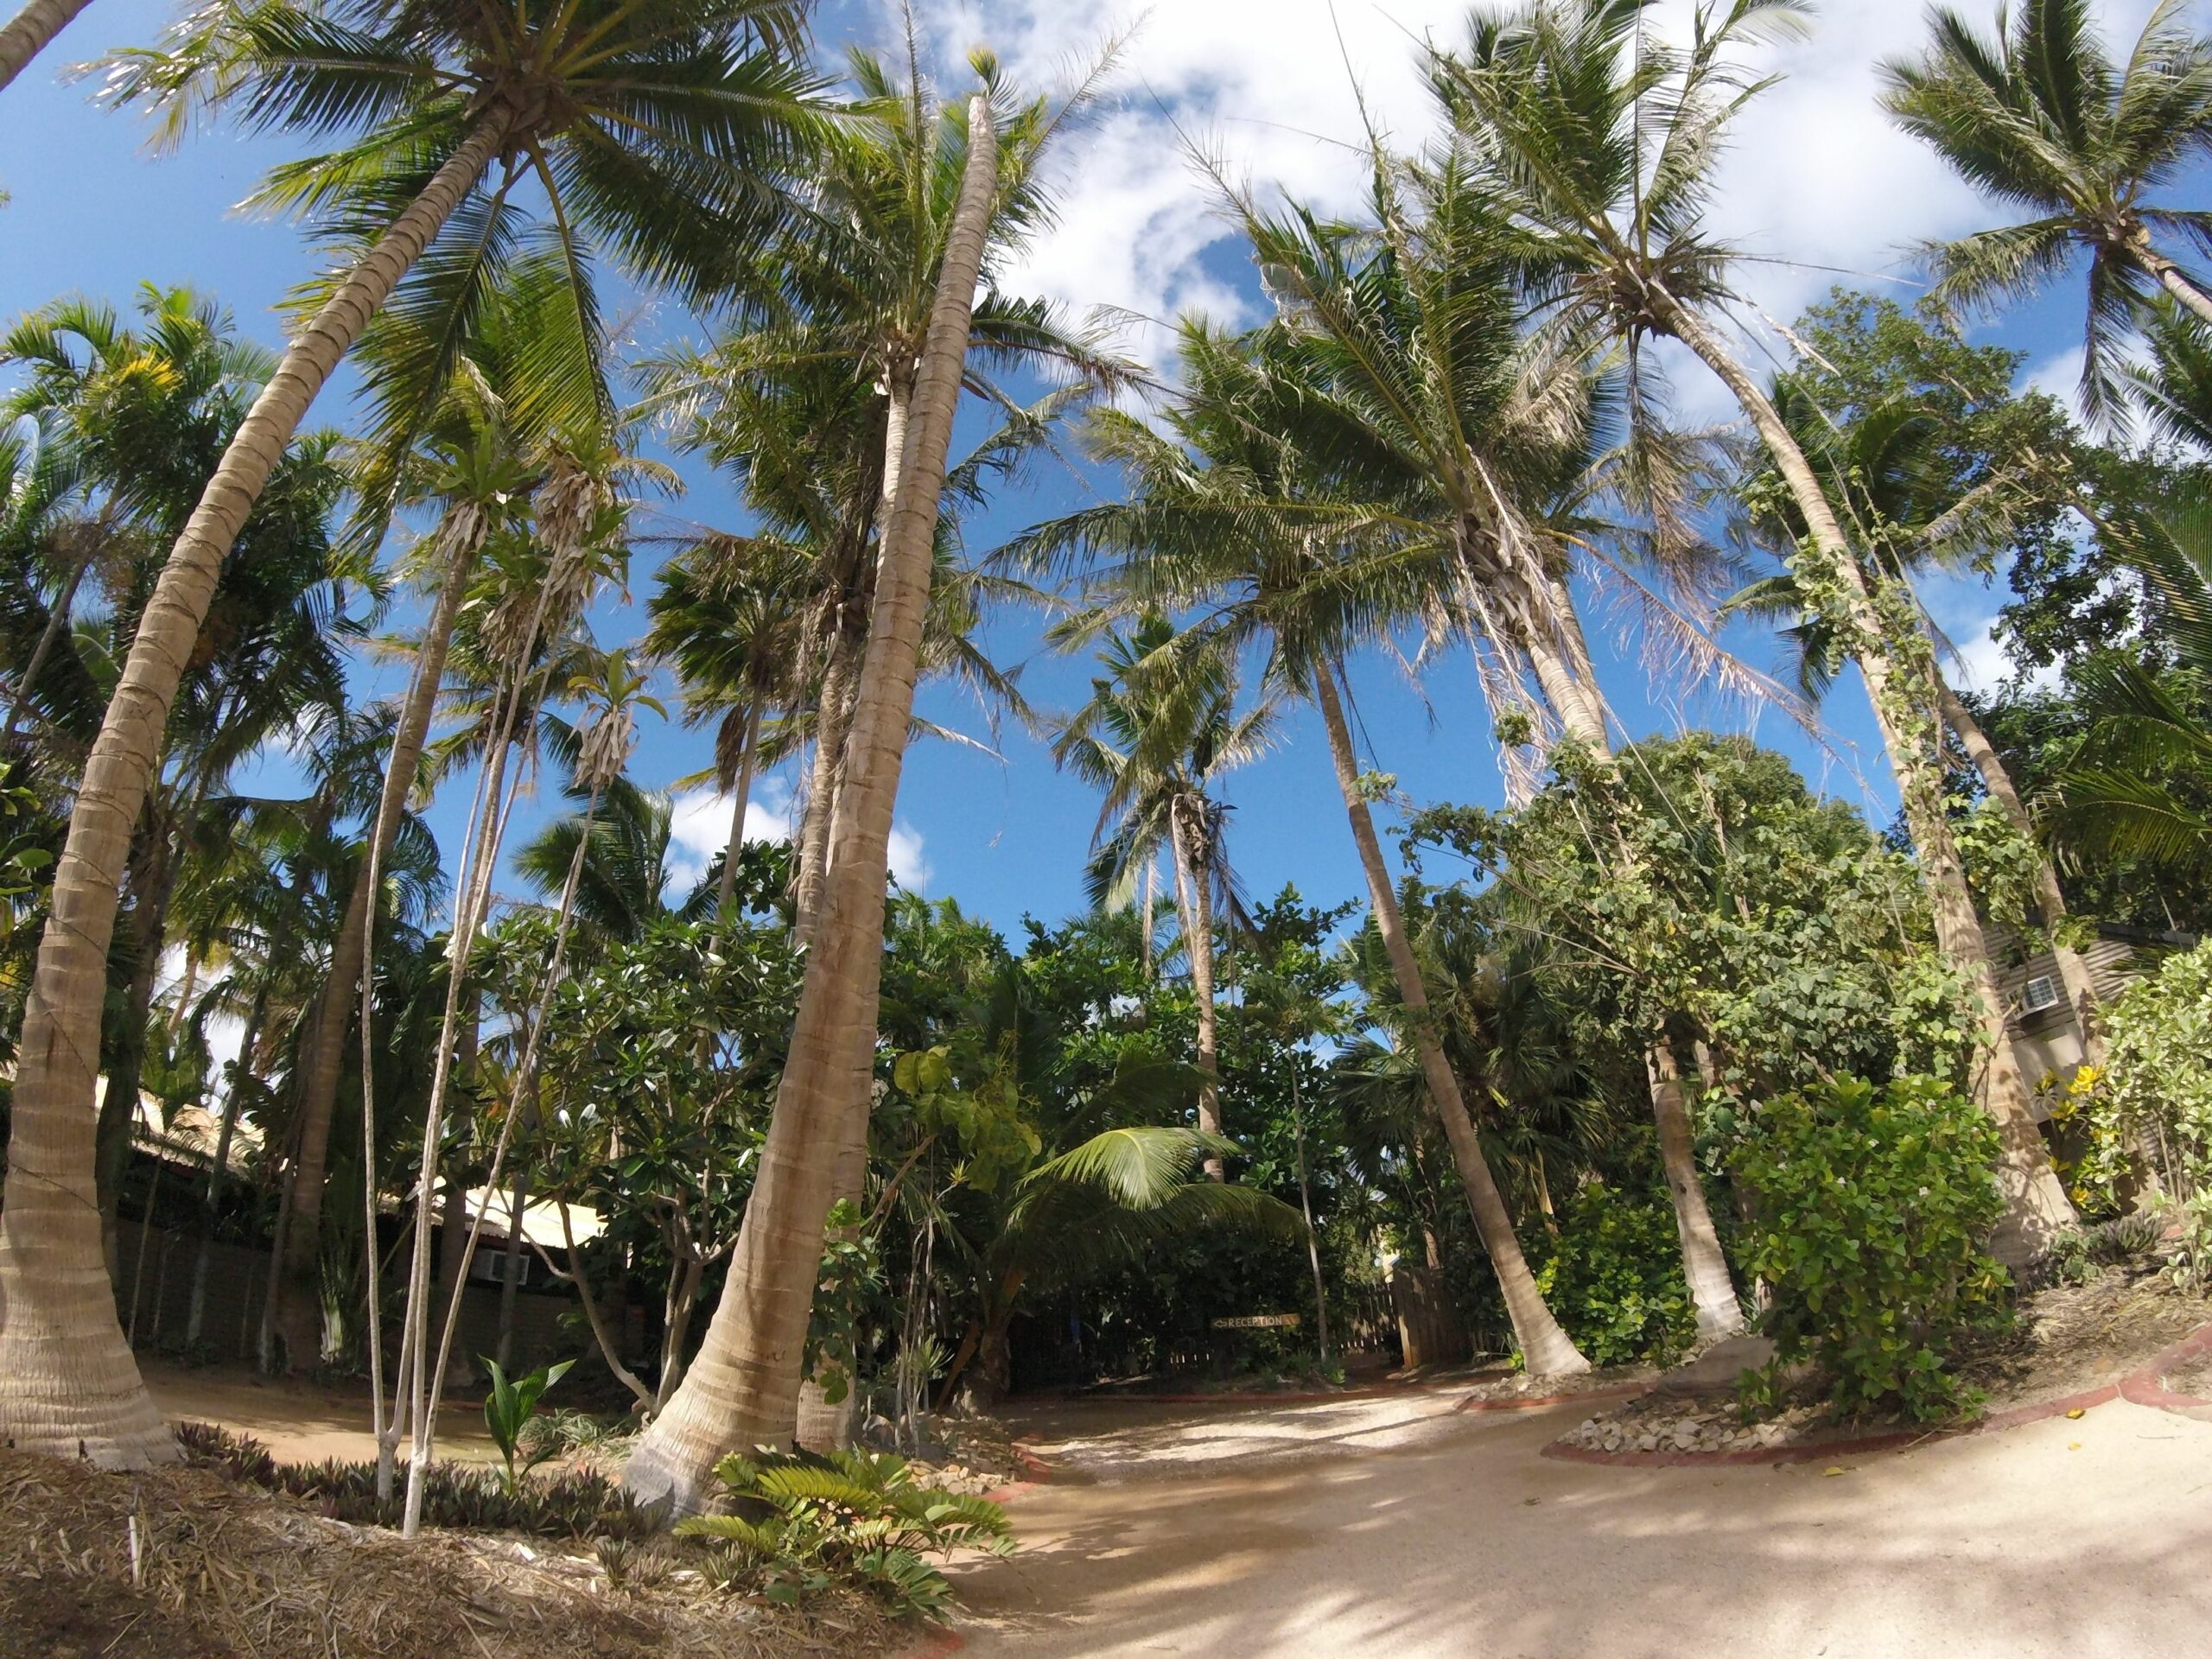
x,y
2042,993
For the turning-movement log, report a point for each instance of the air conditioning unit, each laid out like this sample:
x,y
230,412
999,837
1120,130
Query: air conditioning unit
x,y
490,1266
2042,992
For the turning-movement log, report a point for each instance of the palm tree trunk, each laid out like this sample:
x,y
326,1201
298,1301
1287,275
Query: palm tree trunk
x,y
2051,897
1546,1349
30,31
748,749
743,1386
831,720
298,1311
68,1384
1566,679
1194,892
2036,1208
2175,281
1713,1291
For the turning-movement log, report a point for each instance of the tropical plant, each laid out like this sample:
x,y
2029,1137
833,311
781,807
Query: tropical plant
x,y
508,1410
1599,141
856,1519
2040,117
742,1388
1870,1206
1160,728
679,193
2154,1096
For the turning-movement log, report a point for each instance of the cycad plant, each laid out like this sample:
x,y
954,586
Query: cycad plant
x,y
2040,118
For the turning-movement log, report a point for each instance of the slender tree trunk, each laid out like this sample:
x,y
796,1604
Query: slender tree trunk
x,y
1306,1208
118,1114
138,1266
56,621
1194,897
725,890
2036,1210
297,1311
607,1349
504,1350
2051,897
1546,1349
30,31
1713,1292
676,1325
219,1170
743,1386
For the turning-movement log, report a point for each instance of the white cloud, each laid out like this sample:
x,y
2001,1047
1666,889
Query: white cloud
x,y
1819,188
700,831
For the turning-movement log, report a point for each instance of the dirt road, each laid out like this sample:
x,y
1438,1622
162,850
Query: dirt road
x,y
1395,1527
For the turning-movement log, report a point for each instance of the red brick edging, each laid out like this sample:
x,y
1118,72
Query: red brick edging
x,y
2144,1387
2148,1386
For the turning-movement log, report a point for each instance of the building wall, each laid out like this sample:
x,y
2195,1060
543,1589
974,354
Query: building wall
x,y
237,1284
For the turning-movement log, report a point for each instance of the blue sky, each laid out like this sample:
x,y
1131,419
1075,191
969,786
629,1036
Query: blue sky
x,y
1819,185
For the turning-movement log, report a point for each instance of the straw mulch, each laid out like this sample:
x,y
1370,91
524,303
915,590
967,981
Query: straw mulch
x,y
225,1571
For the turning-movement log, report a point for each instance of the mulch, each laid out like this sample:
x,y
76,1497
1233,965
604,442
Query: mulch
x,y
180,1563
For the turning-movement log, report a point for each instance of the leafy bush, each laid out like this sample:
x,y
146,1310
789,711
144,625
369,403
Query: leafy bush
x,y
2156,1092
1871,1207
857,1519
1613,1276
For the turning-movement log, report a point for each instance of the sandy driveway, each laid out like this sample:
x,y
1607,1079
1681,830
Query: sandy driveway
x,y
299,1420
1392,1526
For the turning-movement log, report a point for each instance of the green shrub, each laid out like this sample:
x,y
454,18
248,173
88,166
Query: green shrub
x,y
507,1413
2156,1093
856,1519
1613,1277
1869,1209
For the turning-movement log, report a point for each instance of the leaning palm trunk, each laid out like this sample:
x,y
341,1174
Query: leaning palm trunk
x,y
1546,1349
2036,1206
832,715
748,750
31,30
2170,276
299,1312
2051,897
68,1384
742,1388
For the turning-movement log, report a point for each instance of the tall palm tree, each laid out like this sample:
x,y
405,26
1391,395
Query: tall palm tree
x,y
31,30
648,130
742,1388
1601,141
1881,468
1160,728
2041,118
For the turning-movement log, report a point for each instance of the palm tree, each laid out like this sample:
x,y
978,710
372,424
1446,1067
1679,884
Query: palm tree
x,y
527,385
1882,469
31,30
2145,728
742,1388
1599,141
2043,121
1159,729
649,130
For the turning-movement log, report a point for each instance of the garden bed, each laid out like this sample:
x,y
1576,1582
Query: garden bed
x,y
186,1563
2070,1341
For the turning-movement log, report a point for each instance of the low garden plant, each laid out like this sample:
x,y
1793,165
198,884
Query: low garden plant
x,y
855,1519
